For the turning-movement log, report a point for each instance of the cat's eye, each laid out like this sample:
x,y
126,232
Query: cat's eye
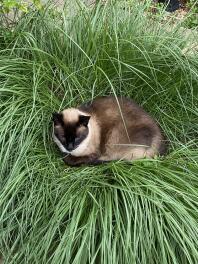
x,y
77,139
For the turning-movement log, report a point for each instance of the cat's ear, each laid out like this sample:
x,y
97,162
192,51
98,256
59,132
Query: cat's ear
x,y
57,118
84,120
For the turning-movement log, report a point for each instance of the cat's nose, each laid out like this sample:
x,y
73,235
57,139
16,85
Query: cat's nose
x,y
70,146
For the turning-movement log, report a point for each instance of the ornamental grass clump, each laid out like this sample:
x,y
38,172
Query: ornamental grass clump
x,y
140,212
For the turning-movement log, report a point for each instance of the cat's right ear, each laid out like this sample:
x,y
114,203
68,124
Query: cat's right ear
x,y
57,118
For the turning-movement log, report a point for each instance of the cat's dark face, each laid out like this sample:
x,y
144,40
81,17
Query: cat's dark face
x,y
70,129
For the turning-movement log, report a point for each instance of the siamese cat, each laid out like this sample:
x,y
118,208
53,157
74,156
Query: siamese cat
x,y
106,129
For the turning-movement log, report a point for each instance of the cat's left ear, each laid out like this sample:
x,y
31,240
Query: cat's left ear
x,y
57,118
84,120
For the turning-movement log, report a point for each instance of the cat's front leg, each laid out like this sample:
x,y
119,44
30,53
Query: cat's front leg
x,y
84,160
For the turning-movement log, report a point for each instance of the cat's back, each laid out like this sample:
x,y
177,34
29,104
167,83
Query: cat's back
x,y
122,121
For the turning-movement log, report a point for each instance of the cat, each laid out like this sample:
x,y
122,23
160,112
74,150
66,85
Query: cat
x,y
105,129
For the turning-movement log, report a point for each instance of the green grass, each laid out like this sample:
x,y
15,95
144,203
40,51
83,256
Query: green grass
x,y
143,212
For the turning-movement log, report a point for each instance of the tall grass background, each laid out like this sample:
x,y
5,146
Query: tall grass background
x,y
140,212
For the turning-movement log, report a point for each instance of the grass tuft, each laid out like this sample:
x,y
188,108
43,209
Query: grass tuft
x,y
140,212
